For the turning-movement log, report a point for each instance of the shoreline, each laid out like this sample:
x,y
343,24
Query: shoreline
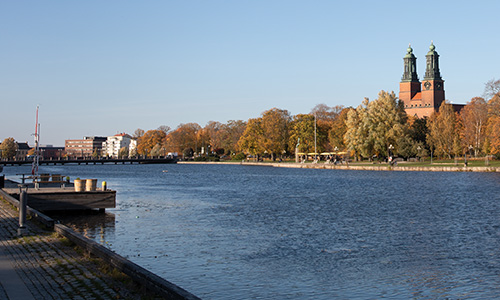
x,y
380,167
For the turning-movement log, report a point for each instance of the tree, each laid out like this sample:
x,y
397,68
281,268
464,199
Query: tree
x,y
183,137
250,139
386,121
274,126
492,88
123,152
417,129
8,148
138,133
164,128
474,117
302,126
214,131
149,140
356,136
442,130
376,125
324,112
157,150
338,130
231,133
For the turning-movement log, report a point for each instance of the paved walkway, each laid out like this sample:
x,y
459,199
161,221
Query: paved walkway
x,y
41,265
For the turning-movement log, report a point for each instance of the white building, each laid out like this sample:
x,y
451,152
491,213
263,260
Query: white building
x,y
112,146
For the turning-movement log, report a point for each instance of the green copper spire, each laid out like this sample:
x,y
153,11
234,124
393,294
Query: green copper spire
x,y
410,66
432,64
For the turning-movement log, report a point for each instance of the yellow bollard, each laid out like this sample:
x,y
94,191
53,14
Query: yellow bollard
x,y
104,185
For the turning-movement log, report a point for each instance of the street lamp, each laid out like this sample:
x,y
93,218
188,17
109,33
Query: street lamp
x,y
418,152
23,203
391,147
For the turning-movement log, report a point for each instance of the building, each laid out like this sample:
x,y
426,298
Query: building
x,y
421,99
112,146
89,146
51,152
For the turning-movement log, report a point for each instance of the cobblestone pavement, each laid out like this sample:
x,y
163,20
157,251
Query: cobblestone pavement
x,y
50,267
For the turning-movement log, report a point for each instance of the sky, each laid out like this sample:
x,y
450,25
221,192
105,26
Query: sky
x,y
97,68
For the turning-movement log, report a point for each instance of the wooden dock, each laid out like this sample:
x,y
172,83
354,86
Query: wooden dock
x,y
65,198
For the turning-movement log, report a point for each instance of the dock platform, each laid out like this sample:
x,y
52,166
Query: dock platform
x,y
59,197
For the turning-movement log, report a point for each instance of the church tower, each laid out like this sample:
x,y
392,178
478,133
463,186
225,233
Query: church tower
x,y
421,99
409,86
433,84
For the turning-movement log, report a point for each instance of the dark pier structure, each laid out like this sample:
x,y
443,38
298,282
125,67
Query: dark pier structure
x,y
92,160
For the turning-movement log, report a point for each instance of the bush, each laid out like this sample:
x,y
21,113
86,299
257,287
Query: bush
x,y
239,156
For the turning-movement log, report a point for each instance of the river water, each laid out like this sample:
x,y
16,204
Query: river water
x,y
251,232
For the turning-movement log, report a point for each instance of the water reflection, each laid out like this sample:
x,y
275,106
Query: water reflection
x,y
90,223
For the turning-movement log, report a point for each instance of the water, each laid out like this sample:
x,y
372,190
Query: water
x,y
236,232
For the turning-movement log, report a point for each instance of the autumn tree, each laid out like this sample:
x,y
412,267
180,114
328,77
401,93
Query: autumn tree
x,y
492,140
230,135
274,126
183,137
164,128
138,133
149,140
249,141
8,148
302,127
474,117
214,131
443,130
338,130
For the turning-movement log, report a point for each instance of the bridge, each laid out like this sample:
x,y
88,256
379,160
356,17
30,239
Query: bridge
x,y
92,160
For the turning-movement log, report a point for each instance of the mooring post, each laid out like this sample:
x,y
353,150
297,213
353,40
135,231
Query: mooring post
x,y
23,203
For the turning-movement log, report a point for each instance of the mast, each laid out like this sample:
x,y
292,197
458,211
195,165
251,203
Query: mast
x,y
34,168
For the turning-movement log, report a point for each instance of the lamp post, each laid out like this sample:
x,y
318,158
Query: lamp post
x,y
391,147
23,203
418,152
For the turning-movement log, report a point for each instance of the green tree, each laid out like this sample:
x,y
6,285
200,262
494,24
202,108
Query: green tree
x,y
356,136
376,125
8,148
386,122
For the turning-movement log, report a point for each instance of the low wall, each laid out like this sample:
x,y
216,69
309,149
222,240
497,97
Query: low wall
x,y
380,167
140,275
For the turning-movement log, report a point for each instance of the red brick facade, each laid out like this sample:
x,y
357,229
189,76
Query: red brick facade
x,y
421,99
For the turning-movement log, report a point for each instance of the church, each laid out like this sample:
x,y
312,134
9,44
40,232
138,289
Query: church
x,y
421,99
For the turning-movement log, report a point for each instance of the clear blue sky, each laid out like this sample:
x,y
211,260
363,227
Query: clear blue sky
x,y
102,67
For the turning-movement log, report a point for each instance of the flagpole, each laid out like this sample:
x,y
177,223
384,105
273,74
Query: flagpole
x,y
34,168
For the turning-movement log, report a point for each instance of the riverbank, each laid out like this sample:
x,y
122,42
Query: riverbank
x,y
61,264
365,167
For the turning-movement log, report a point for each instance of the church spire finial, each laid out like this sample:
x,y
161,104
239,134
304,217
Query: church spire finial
x,y
432,62
410,66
